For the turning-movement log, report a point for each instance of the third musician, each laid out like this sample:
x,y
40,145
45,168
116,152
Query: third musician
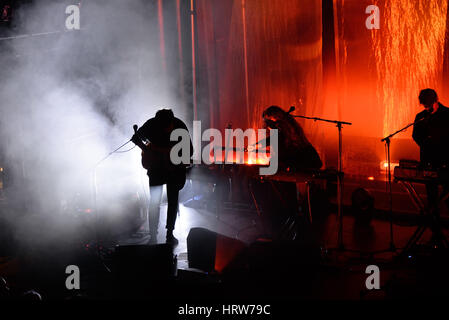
x,y
431,133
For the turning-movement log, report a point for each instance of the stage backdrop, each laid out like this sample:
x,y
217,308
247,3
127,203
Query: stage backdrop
x,y
381,71
319,56
253,54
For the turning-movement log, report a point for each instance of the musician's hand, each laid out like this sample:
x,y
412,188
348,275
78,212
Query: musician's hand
x,y
136,139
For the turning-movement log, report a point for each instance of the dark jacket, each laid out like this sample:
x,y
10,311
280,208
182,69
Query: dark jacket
x,y
431,133
159,174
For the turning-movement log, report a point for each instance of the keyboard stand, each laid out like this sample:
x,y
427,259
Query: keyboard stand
x,y
414,196
430,219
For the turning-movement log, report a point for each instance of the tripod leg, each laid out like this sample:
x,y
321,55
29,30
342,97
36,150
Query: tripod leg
x,y
417,201
414,239
309,201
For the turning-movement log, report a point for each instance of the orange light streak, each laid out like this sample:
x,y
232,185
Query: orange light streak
x,y
180,53
192,22
245,56
161,33
408,51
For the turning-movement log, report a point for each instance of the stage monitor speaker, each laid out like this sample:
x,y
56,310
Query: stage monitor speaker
x,y
139,267
210,251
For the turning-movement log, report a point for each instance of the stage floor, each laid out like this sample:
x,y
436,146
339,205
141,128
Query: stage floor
x,y
340,275
361,248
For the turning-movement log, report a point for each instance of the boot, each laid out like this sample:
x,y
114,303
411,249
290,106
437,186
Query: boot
x,y
170,238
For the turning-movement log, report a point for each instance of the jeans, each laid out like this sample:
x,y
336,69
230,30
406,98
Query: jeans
x,y
172,210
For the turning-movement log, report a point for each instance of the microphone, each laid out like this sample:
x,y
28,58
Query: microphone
x,y
292,108
135,127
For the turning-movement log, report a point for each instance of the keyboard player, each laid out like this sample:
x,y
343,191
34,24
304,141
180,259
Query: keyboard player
x,y
295,150
431,133
279,199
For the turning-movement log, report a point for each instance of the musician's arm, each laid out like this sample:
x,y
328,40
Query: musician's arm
x,y
420,130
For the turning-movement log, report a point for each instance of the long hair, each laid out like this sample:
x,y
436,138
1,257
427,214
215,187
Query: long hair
x,y
287,124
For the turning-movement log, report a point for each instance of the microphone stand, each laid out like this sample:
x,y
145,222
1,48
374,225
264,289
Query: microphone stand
x,y
387,141
339,125
95,194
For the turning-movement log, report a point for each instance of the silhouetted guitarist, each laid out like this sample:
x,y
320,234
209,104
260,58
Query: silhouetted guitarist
x,y
156,159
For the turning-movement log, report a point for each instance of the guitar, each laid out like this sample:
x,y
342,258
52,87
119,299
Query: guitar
x,y
154,158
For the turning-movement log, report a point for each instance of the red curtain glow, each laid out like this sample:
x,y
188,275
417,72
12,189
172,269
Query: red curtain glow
x,y
256,53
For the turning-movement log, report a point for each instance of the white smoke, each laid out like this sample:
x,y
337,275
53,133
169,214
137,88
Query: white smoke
x,y
69,98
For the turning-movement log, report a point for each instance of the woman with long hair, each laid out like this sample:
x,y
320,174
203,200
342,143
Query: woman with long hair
x,y
295,150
